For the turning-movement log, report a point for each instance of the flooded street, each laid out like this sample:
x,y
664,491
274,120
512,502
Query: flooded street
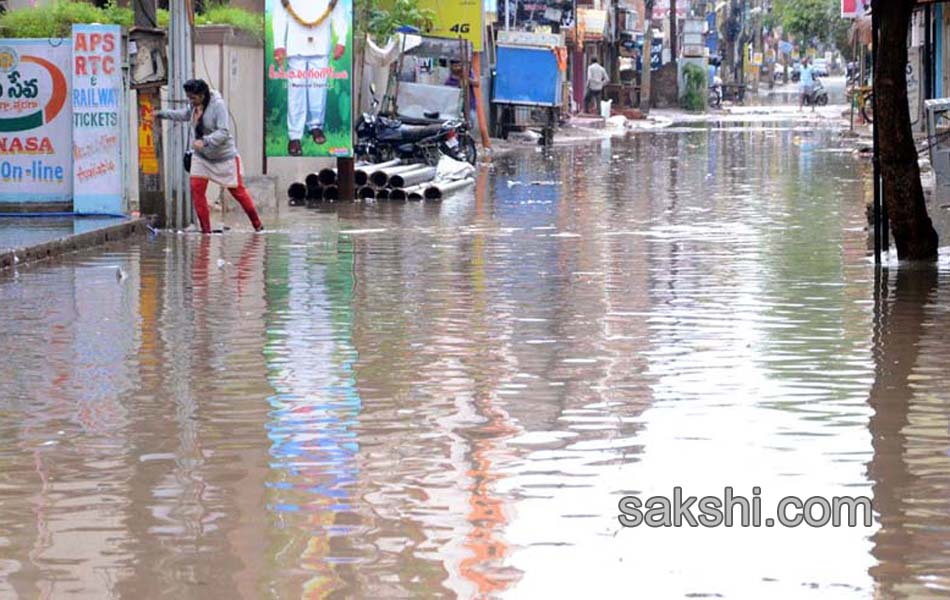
x,y
450,400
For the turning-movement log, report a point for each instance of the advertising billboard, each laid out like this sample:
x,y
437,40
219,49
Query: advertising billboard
x,y
97,108
35,127
308,75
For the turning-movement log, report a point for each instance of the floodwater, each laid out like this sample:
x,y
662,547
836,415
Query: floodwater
x,y
450,400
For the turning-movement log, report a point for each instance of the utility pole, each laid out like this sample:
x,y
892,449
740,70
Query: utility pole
x,y
773,49
757,41
177,188
742,40
673,34
147,75
646,58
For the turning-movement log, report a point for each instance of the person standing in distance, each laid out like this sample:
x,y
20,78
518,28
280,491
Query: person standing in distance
x,y
596,80
302,40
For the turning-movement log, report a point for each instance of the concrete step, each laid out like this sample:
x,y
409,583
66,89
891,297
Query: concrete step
x,y
263,189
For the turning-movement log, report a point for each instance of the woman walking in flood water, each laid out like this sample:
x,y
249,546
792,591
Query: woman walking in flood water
x,y
214,154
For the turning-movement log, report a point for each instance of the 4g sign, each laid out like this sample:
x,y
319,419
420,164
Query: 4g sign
x,y
462,18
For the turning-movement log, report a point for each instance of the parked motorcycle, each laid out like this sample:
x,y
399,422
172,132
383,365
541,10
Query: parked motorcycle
x,y
380,138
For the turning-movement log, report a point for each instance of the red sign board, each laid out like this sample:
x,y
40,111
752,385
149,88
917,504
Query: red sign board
x,y
852,9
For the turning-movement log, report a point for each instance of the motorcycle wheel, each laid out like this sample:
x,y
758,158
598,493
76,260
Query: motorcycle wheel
x,y
466,150
713,100
383,154
376,154
430,155
822,100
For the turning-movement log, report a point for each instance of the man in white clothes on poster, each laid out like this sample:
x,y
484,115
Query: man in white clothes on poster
x,y
302,40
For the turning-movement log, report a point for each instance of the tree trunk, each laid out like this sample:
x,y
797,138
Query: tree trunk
x,y
901,325
913,231
647,59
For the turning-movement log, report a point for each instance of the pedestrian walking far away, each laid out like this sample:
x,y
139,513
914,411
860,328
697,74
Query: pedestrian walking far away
x,y
807,83
214,154
596,80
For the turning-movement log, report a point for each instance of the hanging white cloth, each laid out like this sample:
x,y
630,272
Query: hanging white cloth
x,y
376,64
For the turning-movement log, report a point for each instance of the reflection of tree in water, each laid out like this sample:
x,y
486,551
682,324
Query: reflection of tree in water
x,y
811,290
909,438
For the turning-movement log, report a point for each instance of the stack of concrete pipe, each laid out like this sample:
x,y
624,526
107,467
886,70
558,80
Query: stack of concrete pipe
x,y
392,180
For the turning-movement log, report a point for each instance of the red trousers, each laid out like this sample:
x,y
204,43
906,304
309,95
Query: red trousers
x,y
199,189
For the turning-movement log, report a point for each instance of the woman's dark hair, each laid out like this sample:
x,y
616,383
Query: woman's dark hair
x,y
199,87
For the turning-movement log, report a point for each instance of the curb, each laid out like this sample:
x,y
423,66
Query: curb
x,y
72,243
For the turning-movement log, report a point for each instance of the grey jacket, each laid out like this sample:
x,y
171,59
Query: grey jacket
x,y
219,143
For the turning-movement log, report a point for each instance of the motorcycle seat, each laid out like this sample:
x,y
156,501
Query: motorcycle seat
x,y
414,133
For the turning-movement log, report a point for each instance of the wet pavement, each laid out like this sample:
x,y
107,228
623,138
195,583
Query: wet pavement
x,y
449,400
21,232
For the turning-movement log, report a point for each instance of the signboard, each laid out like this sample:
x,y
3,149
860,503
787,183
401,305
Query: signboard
x,y
852,9
35,129
308,78
529,38
913,86
712,36
694,50
96,101
463,18
592,22
528,76
540,15
661,9
656,53
148,155
693,26
693,38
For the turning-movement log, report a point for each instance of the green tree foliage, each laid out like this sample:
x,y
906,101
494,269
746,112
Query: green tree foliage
x,y
381,18
56,19
695,97
222,14
810,20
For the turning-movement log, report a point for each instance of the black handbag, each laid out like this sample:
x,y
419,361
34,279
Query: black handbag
x,y
186,157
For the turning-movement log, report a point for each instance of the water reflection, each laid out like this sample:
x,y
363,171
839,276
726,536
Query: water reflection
x,y
448,400
910,433
313,414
